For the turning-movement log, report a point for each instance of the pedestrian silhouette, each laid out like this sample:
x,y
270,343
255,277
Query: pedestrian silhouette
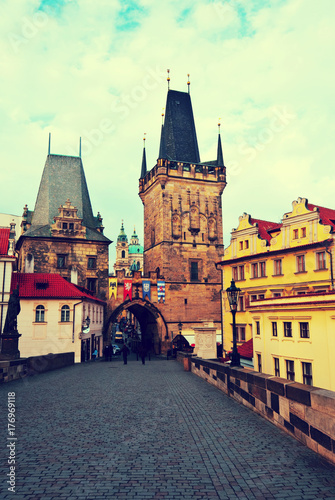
x,y
125,352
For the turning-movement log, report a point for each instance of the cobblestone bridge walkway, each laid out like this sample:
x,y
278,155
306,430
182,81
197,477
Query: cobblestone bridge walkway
x,y
105,430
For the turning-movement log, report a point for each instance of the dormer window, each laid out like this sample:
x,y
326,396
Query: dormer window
x,y
42,285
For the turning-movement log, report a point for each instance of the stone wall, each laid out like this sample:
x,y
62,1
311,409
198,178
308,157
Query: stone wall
x,y
18,368
305,412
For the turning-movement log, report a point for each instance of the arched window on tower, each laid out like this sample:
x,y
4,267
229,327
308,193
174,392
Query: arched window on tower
x,y
123,254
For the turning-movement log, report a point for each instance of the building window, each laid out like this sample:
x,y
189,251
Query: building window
x,y
194,271
278,271
240,333
303,232
238,273
91,284
276,294
258,328
274,329
65,314
91,263
258,270
307,373
277,370
304,330
246,244
301,264
61,261
287,329
254,270
320,260
295,234
65,225
240,305
40,314
123,254
259,362
241,245
290,370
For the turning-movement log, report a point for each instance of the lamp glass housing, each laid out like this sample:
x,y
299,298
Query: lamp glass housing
x,y
233,294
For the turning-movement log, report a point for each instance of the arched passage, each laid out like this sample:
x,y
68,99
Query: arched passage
x,y
153,326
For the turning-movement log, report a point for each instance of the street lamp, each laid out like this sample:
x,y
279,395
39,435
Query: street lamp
x,y
233,293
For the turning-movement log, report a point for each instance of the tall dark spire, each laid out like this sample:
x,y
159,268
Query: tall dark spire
x,y
144,162
219,153
162,149
179,138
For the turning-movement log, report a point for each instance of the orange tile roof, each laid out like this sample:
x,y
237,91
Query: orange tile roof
x,y
45,285
327,215
265,227
246,350
4,239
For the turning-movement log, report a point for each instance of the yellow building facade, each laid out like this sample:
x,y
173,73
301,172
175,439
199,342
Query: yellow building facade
x,y
287,303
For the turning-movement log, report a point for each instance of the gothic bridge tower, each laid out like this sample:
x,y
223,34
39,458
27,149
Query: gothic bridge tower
x,y
183,236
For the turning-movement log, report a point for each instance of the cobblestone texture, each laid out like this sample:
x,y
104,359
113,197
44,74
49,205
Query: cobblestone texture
x,y
108,430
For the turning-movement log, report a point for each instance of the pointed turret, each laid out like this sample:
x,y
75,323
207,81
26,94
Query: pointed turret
x,y
179,138
219,153
144,162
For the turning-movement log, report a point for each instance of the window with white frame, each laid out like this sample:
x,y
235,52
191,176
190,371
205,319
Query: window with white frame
x,y
301,265
277,267
240,333
40,314
276,367
287,329
304,330
290,375
320,260
238,273
65,314
307,373
258,269
274,329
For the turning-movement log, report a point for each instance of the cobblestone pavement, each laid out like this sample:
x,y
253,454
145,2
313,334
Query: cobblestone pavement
x,y
104,430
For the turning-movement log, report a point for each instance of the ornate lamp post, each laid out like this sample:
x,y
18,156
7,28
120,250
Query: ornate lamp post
x,y
233,293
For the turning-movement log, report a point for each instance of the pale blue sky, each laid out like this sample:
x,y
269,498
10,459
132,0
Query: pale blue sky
x,y
98,70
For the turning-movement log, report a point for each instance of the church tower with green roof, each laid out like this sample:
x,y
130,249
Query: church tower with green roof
x,y
128,254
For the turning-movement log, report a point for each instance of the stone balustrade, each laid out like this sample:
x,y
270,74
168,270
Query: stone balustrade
x,y
305,412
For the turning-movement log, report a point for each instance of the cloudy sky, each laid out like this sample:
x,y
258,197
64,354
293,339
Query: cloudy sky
x,y
97,70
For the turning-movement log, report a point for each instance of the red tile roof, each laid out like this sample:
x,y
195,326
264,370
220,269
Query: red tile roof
x,y
4,239
327,215
45,285
265,228
246,350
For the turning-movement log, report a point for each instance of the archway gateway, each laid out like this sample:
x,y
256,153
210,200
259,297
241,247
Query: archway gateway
x,y
153,325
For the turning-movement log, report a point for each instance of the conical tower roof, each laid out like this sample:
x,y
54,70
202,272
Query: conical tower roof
x,y
63,179
179,138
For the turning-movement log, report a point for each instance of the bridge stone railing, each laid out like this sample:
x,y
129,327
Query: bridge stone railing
x,y
18,368
305,412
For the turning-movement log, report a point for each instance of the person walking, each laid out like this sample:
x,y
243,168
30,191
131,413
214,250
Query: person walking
x,y
142,354
125,352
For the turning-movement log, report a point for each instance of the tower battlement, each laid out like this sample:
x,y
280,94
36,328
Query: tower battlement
x,y
183,170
